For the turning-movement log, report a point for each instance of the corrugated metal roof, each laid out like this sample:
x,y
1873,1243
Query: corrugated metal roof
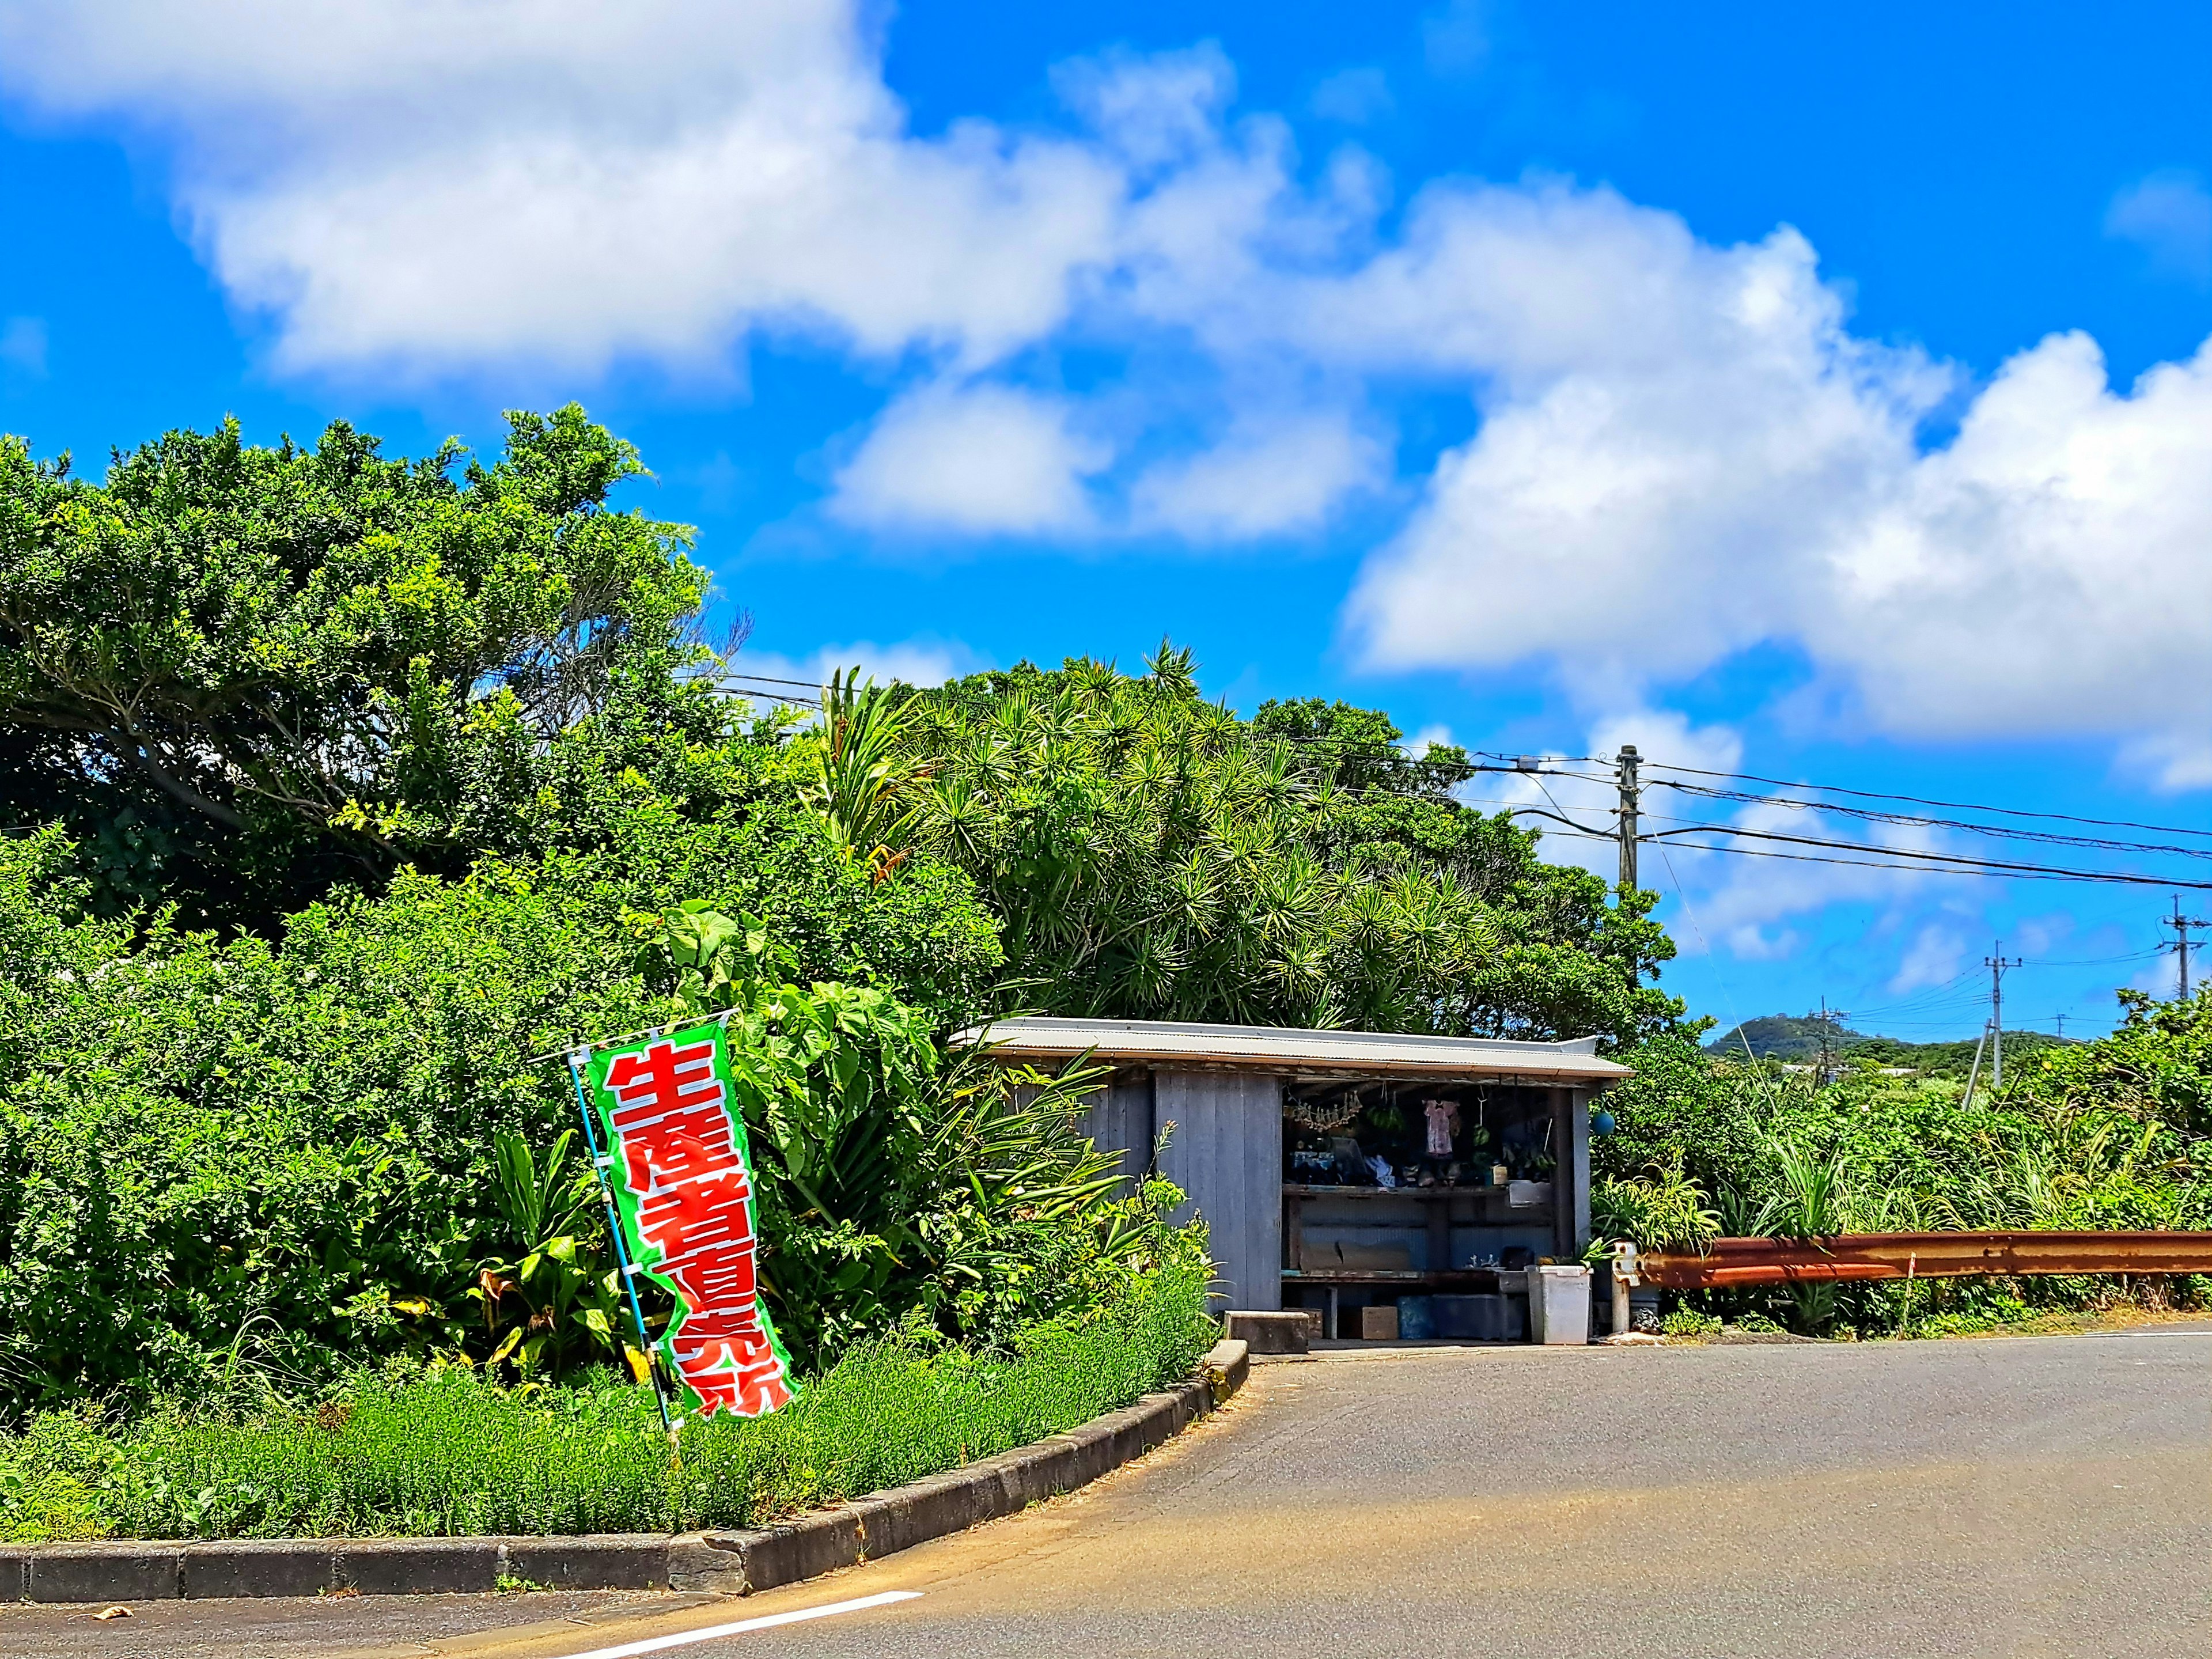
x,y
1266,1048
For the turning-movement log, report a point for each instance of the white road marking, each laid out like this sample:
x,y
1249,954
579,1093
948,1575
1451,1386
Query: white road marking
x,y
767,1621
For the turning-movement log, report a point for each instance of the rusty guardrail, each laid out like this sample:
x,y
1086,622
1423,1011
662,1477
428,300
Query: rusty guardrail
x,y
1728,1262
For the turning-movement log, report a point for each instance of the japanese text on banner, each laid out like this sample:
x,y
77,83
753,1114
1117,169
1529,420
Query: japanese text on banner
x,y
682,1182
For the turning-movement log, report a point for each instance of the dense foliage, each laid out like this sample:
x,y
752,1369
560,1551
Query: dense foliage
x,y
240,672
366,780
213,1148
2108,1134
1155,856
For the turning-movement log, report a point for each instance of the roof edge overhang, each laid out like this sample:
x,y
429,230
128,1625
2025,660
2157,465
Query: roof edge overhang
x,y
1294,1052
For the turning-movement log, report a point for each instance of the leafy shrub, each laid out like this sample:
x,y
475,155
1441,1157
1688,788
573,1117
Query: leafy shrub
x,y
1662,1210
284,1154
2076,1141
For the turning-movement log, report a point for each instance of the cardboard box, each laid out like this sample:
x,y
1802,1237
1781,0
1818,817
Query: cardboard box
x,y
1379,1324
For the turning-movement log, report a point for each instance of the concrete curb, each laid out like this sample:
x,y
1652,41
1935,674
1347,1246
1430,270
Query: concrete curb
x,y
739,1562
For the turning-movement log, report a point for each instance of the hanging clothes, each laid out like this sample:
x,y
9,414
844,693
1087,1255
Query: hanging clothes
x,y
1443,1123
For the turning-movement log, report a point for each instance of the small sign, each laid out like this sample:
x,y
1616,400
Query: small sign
x,y
683,1180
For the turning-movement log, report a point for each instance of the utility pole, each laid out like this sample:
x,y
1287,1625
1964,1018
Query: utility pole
x,y
1624,775
2181,925
1625,765
1997,965
1974,1071
1825,1021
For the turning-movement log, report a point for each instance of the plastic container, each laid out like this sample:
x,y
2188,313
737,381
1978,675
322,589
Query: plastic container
x,y
1417,1318
1473,1318
1559,1305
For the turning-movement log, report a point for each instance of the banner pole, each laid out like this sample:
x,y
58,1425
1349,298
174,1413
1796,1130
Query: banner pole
x,y
624,1270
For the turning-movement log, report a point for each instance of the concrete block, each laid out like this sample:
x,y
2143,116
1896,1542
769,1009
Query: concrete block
x,y
1379,1324
709,1561
15,1573
105,1572
418,1566
1271,1333
907,1516
594,1561
260,1566
804,1548
1011,1482
1227,1363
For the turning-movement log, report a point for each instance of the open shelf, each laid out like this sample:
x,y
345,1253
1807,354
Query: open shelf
x,y
1473,1278
1489,1198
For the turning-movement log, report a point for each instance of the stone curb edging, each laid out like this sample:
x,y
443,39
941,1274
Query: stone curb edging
x,y
761,1559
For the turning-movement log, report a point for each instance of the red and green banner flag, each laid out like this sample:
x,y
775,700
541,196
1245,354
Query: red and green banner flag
x,y
683,1180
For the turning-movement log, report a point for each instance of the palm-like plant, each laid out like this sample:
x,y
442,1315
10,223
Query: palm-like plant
x,y
860,779
1156,856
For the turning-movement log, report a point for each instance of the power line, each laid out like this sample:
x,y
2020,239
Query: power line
x,y
2027,872
1958,860
2099,843
1949,805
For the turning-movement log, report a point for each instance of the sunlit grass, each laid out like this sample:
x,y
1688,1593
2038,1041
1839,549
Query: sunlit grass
x,y
448,1454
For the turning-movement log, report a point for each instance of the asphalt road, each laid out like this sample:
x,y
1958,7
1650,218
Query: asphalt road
x,y
2014,1496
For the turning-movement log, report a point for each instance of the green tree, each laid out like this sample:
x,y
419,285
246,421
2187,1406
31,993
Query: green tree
x,y
1152,855
246,671
2156,1064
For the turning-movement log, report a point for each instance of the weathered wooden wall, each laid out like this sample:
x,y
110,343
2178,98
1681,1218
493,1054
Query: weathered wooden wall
x,y
1226,1153
1119,1119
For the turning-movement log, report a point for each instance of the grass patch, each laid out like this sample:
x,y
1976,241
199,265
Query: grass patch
x,y
447,1453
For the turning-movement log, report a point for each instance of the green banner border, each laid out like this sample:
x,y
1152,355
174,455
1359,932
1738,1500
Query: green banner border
x,y
603,1102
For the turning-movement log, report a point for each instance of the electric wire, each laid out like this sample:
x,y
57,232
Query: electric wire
x,y
2102,843
2026,872
1950,859
1949,805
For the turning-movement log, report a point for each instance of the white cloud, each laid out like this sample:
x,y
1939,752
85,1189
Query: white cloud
x,y
1266,478
1683,451
417,185
23,345
2168,215
923,661
1933,958
1686,454
980,459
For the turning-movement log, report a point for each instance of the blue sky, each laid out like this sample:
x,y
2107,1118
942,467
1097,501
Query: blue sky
x,y
1817,402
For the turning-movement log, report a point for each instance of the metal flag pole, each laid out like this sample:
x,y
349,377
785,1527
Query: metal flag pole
x,y
625,1269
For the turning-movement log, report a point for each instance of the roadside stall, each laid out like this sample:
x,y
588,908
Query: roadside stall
x,y
1394,1185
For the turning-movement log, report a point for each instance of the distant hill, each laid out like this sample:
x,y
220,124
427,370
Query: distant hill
x,y
1796,1041
1784,1037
